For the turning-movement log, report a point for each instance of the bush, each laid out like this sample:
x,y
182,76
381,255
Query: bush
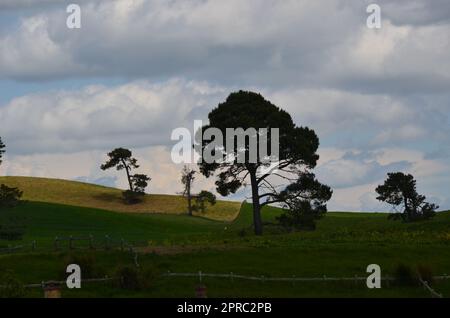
x,y
302,216
132,197
202,198
132,278
9,197
12,287
128,278
404,275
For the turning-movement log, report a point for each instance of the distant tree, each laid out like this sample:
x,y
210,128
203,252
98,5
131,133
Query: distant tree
x,y
121,158
187,179
9,198
297,150
202,198
399,189
2,150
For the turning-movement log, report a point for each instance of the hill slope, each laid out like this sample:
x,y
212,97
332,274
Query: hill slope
x,y
99,197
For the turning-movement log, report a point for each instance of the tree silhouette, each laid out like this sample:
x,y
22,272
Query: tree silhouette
x,y
2,150
9,197
297,150
399,189
121,158
202,198
187,179
306,202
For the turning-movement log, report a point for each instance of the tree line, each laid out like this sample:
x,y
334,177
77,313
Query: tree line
x,y
292,186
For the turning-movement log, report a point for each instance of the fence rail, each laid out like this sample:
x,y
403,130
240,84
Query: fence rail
x,y
106,243
200,275
63,282
427,287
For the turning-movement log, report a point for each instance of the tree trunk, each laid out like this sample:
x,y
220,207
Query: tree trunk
x,y
257,221
128,175
408,212
188,190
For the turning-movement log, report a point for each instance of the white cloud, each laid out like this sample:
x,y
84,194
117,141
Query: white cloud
x,y
97,117
268,43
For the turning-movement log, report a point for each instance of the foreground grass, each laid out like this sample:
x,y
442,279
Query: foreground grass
x,y
93,196
342,246
341,261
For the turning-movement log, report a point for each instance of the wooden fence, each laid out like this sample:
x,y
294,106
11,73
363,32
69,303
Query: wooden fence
x,y
69,242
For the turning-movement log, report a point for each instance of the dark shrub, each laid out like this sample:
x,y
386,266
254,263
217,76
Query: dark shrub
x,y
302,216
128,278
404,275
132,278
9,197
132,197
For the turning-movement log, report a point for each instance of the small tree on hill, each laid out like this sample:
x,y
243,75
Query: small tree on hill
x,y
2,150
187,179
9,197
202,199
122,159
399,189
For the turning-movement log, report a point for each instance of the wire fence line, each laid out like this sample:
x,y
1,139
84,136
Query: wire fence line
x,y
231,275
427,287
56,282
200,275
62,242
107,243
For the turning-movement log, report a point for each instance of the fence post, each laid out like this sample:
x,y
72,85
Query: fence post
x,y
33,245
122,245
56,243
91,242
71,242
200,276
231,276
293,280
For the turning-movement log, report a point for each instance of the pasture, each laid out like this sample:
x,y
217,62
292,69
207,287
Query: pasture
x,y
342,246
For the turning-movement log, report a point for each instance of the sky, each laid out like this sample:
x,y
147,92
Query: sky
x,y
378,99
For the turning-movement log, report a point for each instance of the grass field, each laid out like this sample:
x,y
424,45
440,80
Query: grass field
x,y
342,246
94,196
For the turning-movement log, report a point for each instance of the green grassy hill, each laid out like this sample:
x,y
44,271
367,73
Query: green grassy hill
x,y
94,196
342,246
